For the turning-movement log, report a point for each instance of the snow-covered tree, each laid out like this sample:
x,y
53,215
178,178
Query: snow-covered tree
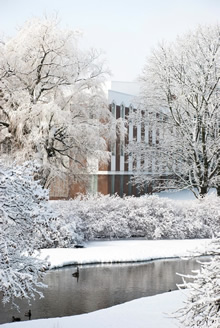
x,y
180,111
52,103
26,224
202,307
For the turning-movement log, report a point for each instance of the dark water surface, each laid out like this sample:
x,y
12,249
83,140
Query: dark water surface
x,y
100,286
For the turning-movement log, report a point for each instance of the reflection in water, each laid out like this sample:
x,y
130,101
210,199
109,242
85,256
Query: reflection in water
x,y
100,286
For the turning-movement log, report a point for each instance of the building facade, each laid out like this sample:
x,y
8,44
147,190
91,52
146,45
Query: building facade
x,y
114,178
121,99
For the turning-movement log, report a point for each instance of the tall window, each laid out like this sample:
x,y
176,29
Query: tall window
x,y
113,146
122,115
113,109
122,132
122,111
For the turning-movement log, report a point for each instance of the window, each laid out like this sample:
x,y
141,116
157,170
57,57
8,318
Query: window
x,y
113,109
122,111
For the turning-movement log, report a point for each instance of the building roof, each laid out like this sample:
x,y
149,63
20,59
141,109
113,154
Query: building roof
x,y
123,93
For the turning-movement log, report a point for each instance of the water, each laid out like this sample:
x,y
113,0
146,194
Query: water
x,y
100,286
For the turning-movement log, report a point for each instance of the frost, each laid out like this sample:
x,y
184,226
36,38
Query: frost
x,y
52,104
202,307
27,224
179,107
93,217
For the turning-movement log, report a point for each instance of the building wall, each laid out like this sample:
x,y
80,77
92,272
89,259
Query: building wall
x,y
66,189
121,166
115,177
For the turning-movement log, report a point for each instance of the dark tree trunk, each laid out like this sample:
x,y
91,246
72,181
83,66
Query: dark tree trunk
x,y
203,191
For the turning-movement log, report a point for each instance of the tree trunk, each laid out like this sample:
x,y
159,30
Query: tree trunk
x,y
203,191
218,191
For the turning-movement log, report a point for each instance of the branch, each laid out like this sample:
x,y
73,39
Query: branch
x,y
4,124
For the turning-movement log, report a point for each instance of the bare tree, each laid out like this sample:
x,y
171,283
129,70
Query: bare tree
x,y
180,106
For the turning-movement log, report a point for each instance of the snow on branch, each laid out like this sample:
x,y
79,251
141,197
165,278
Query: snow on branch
x,y
52,100
181,109
27,223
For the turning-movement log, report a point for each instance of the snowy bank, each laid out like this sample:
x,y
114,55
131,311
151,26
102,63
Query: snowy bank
x,y
148,312
123,251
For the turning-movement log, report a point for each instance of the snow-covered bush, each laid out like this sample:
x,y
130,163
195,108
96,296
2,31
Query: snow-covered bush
x,y
151,217
202,307
27,223
69,224
95,216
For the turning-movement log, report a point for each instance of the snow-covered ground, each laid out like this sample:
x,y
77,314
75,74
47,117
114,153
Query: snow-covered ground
x,y
181,195
150,312
123,251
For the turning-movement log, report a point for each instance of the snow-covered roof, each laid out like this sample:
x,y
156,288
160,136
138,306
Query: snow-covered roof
x,y
123,92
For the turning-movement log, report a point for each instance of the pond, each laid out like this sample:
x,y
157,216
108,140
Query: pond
x,y
100,286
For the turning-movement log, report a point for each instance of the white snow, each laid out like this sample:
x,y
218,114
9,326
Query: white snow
x,y
148,312
122,251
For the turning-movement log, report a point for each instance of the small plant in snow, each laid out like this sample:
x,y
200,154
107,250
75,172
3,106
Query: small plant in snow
x,y
202,308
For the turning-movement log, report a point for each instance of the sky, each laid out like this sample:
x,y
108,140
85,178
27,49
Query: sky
x,y
125,30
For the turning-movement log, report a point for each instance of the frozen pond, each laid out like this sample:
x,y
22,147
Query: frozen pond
x,y
100,286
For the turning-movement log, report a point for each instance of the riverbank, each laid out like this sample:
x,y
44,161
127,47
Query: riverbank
x,y
151,312
122,251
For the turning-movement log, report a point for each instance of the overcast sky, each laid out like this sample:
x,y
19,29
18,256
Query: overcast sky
x,y
126,30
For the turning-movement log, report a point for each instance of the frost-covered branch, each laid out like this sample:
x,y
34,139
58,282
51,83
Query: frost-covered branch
x,y
180,84
27,223
52,104
202,307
